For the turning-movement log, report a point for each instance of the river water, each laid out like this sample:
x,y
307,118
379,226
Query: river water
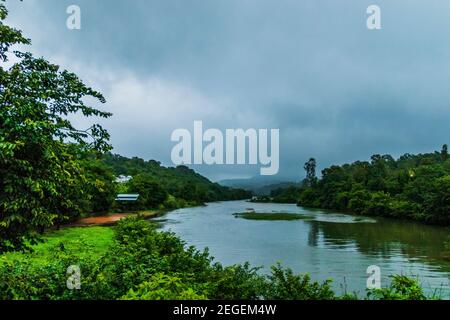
x,y
328,245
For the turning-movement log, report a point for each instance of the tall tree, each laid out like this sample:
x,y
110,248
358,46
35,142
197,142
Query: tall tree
x,y
444,152
39,167
310,168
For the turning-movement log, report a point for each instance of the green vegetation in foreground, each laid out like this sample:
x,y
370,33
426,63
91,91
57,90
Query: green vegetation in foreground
x,y
139,262
251,215
80,243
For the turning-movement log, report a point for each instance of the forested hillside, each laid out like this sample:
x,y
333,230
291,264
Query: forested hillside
x,y
180,182
412,187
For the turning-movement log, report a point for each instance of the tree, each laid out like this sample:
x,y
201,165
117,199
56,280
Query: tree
x,y
438,203
38,167
444,152
101,187
151,193
310,168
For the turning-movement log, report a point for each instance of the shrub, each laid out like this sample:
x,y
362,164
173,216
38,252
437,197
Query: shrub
x,y
401,288
47,281
163,287
285,285
236,282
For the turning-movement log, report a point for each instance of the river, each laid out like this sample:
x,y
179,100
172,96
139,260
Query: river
x,y
329,245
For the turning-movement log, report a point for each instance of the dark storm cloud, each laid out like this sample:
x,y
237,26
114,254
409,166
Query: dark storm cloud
x,y
336,90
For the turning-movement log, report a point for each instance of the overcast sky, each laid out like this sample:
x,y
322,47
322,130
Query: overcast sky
x,y
336,90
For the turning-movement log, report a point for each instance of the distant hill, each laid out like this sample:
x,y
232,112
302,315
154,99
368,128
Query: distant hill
x,y
259,185
181,182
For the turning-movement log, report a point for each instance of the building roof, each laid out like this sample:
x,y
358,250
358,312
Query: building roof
x,y
127,197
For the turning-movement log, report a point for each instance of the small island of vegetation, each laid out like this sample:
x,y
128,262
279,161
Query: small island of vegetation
x,y
274,216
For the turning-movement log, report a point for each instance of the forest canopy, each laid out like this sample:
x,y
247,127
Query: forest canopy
x,y
411,187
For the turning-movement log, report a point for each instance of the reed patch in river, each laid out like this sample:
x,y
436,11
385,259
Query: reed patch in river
x,y
251,214
284,216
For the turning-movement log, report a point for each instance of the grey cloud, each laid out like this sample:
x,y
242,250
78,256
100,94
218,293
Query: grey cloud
x,y
336,90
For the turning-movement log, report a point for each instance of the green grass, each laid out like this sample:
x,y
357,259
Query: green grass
x,y
81,242
286,216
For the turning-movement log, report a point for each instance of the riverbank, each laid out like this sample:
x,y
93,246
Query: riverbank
x,y
80,243
112,219
135,261
326,246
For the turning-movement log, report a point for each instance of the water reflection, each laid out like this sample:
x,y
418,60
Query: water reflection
x,y
384,239
329,245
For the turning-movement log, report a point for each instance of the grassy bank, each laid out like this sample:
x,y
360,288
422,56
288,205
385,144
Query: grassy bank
x,y
80,243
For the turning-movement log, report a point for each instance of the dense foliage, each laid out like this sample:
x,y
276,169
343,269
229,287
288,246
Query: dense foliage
x,y
401,288
285,195
41,178
142,263
411,187
100,187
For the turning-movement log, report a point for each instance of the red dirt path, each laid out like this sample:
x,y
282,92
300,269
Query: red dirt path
x,y
98,221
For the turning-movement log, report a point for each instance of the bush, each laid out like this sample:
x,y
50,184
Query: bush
x,y
132,230
283,284
47,281
163,287
236,282
401,288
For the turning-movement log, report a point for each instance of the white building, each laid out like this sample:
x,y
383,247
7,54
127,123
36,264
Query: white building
x,y
123,179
